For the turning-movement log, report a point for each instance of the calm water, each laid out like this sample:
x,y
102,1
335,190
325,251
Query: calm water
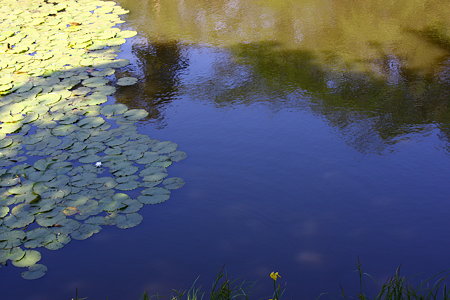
x,y
317,132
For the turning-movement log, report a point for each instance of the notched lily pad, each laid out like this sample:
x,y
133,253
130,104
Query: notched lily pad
x,y
34,272
85,231
128,220
30,258
173,183
125,81
135,114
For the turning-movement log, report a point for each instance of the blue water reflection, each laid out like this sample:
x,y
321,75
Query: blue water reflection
x,y
286,179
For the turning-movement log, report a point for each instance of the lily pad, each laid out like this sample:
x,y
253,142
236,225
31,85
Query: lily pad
x,y
128,220
64,130
85,231
173,183
30,258
35,271
154,195
114,109
135,114
125,81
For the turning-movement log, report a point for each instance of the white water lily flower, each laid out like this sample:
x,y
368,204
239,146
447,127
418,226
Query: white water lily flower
x,y
98,164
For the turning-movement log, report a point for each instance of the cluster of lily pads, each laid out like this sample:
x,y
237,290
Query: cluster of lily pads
x,y
69,162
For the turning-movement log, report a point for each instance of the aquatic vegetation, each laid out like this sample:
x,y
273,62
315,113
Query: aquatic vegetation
x,y
396,287
222,288
277,290
127,81
69,158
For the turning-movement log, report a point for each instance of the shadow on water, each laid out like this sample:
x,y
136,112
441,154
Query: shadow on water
x,y
436,35
159,66
371,111
376,71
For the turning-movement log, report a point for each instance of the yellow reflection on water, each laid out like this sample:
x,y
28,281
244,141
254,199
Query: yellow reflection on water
x,y
339,33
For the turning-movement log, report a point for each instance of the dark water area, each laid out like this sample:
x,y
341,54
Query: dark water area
x,y
313,140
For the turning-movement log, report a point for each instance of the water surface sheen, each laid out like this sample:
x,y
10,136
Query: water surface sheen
x,y
317,132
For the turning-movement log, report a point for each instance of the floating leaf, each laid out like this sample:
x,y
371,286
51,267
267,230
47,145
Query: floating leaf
x,y
177,156
95,81
91,122
90,159
114,109
164,147
124,81
135,114
5,143
85,231
4,210
148,158
10,127
154,195
30,258
127,33
14,253
173,183
128,186
58,242
64,130
128,220
155,177
34,272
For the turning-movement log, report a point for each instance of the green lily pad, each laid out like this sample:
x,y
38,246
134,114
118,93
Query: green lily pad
x,y
105,90
154,195
148,158
95,99
128,186
10,127
90,122
177,156
114,109
155,177
128,220
104,72
4,210
164,147
124,170
125,81
63,130
18,221
14,253
135,114
85,231
90,159
126,34
5,143
60,240
35,271
30,258
95,81
173,183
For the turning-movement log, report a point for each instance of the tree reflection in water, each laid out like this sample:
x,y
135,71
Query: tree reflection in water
x,y
159,66
373,69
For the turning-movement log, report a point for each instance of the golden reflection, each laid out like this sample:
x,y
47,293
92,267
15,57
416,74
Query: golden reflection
x,y
340,33
376,69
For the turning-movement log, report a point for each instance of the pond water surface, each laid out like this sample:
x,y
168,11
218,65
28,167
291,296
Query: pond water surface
x,y
317,132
